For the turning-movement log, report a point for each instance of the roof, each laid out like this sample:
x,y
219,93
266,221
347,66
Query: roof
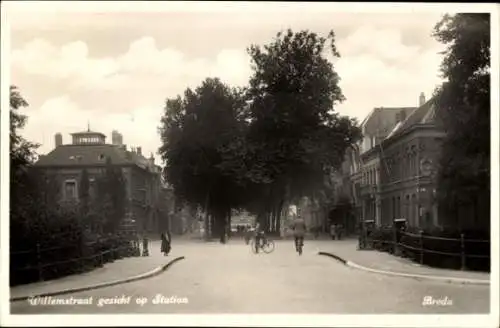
x,y
396,128
88,132
424,114
381,120
90,155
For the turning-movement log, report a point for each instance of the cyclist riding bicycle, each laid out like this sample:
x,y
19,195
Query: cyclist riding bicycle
x,y
260,237
299,230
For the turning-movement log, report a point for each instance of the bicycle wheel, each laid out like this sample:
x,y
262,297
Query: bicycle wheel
x,y
268,247
252,246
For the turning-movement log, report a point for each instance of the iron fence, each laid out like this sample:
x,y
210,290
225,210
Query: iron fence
x,y
91,255
396,246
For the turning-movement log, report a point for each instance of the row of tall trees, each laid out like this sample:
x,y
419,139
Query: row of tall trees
x,y
259,147
464,105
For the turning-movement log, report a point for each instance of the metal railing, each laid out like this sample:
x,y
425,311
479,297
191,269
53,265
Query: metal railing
x,y
97,258
398,246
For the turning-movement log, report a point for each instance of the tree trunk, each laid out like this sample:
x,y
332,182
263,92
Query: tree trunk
x,y
212,224
271,220
228,222
263,220
207,218
261,216
279,211
219,217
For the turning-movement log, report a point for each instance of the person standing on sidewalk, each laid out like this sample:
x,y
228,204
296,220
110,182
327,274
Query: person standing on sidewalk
x,y
332,231
165,244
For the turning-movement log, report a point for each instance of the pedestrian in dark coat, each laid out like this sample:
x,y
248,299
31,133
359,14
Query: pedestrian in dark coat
x,y
165,243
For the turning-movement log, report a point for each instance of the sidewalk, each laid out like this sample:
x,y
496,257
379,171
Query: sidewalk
x,y
372,259
117,270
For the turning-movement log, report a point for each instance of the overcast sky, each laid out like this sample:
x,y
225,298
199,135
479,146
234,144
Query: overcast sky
x,y
115,70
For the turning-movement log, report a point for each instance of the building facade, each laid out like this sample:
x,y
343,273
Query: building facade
x,y
407,181
366,176
90,152
392,170
344,204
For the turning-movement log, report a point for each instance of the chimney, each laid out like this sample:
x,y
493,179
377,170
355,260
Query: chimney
x,y
58,139
421,99
117,138
139,150
402,115
152,160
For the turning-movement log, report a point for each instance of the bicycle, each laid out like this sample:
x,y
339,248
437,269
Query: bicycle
x,y
266,244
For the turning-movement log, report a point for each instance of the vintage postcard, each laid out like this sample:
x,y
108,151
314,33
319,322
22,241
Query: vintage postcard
x,y
249,164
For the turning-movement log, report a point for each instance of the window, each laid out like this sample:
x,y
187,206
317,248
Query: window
x,y
410,164
406,164
70,191
414,160
399,208
101,157
407,208
393,208
397,166
92,187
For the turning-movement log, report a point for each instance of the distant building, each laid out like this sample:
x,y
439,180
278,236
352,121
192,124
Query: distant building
x,y
344,203
308,209
89,151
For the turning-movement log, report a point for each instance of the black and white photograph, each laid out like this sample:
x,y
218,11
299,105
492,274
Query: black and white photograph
x,y
249,164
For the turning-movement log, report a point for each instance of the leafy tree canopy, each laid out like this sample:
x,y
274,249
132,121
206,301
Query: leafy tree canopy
x,y
295,134
271,142
197,131
22,152
464,105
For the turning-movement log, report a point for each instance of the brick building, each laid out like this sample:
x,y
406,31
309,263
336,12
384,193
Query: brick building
x,y
366,158
89,150
407,176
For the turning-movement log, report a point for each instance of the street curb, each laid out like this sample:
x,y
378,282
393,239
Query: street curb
x,y
333,256
409,275
146,275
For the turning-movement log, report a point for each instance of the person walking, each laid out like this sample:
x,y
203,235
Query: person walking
x,y
145,243
299,231
165,243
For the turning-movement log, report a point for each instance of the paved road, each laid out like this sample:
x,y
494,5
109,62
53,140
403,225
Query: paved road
x,y
217,278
